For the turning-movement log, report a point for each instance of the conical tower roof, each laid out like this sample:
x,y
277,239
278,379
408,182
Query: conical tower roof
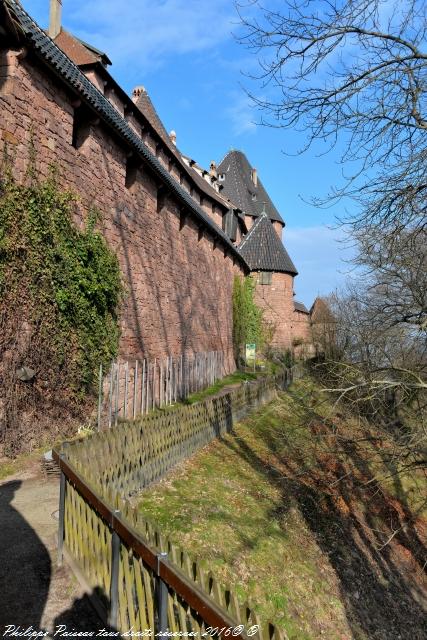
x,y
235,174
263,250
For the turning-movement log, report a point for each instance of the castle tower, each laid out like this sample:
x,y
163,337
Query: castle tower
x,y
264,252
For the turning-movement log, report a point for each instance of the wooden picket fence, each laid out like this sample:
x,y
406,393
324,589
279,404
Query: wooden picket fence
x,y
144,580
134,388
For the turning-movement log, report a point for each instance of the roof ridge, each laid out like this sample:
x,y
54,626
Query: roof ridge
x,y
263,250
250,232
242,184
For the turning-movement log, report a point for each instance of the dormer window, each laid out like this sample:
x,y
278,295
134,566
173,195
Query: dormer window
x,y
221,177
254,197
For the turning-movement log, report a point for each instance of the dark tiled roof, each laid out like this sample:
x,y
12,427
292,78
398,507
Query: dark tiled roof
x,y
299,306
145,105
238,186
263,250
71,75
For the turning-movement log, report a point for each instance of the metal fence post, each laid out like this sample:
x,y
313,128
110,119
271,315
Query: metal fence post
x,y
61,529
114,584
162,600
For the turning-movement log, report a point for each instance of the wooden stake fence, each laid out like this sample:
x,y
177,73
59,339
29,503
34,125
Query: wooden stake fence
x,y
141,579
135,388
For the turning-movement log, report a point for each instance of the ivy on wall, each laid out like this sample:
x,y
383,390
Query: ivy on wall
x,y
247,316
60,289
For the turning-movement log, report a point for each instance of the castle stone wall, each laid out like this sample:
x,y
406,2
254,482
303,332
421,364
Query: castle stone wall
x,y
301,327
277,302
276,299
178,282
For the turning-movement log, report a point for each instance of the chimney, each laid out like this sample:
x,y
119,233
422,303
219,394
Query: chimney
x,y
212,170
172,136
55,18
254,177
136,93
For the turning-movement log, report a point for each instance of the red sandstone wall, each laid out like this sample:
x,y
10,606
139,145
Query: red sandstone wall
x,y
277,301
301,328
178,286
278,227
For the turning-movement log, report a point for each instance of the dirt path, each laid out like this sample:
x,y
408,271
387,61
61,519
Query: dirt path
x,y
34,590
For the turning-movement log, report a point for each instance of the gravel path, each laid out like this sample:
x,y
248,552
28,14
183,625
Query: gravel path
x,y
34,591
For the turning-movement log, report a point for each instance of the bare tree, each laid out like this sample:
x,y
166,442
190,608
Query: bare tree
x,y
379,365
395,267
352,72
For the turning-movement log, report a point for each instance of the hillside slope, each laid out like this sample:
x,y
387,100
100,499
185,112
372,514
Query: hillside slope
x,y
298,511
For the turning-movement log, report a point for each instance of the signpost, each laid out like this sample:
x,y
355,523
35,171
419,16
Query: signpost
x,y
251,355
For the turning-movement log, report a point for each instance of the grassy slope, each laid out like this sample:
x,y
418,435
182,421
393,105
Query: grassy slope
x,y
286,510
233,379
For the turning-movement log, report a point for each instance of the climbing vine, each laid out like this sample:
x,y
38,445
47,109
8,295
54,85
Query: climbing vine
x,y
60,288
247,316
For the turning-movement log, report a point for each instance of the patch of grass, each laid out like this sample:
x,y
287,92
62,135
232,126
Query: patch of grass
x,y
22,463
284,511
234,378
31,461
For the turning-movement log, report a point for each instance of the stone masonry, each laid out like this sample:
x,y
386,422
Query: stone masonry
x,y
178,280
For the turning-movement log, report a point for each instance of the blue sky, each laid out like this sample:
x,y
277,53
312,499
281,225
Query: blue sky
x,y
185,54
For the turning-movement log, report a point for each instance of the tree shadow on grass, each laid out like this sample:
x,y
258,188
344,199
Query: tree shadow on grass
x,y
382,585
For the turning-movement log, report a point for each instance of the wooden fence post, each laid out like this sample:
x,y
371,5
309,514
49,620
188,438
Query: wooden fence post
x,y
135,388
143,388
110,399
100,397
116,407
125,402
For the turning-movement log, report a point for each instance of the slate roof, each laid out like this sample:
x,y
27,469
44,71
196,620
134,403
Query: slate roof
x,y
238,186
263,250
71,75
146,106
299,306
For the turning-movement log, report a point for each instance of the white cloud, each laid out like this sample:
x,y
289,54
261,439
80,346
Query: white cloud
x,y
321,257
150,31
241,114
